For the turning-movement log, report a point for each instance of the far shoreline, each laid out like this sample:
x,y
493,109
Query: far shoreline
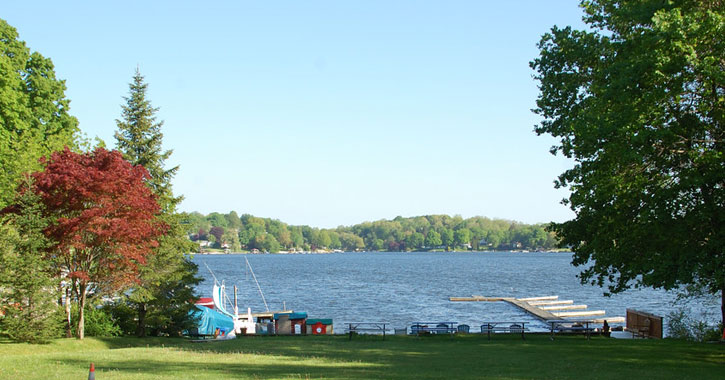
x,y
216,252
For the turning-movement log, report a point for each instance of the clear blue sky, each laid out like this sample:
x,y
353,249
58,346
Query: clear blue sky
x,y
323,113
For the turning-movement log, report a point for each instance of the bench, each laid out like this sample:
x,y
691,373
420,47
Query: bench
x,y
642,330
564,325
361,327
500,327
433,328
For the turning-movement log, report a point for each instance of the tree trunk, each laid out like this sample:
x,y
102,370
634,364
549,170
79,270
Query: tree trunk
x,y
68,330
141,328
81,309
722,310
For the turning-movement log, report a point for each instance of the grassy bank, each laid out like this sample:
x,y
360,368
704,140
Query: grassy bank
x,y
334,357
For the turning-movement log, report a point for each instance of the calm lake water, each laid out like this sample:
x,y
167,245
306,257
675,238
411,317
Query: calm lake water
x,y
401,288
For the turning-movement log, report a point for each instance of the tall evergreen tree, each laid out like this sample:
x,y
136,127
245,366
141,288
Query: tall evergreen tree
x,y
28,286
139,139
165,279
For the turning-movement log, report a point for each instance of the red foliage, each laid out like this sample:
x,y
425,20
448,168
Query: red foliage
x,y
217,232
103,215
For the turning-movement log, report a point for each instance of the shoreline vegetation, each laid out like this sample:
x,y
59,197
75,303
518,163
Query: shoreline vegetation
x,y
230,233
214,251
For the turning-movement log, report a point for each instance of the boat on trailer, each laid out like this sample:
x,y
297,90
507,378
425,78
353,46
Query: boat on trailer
x,y
244,324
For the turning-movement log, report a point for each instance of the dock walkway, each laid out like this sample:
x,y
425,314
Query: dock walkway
x,y
540,307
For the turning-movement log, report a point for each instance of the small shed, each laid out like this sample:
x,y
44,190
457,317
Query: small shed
x,y
290,323
319,326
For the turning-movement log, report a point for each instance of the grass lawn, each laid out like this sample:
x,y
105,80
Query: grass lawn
x,y
365,357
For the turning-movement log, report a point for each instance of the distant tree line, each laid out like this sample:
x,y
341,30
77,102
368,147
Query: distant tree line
x,y
421,233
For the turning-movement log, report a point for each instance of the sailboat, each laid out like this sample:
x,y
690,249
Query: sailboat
x,y
243,323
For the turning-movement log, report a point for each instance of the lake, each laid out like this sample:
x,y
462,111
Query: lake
x,y
401,288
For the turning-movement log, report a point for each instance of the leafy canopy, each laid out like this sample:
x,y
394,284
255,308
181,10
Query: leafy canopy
x,y
638,103
103,219
34,119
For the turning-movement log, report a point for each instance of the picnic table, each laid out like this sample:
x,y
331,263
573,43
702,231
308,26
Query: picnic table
x,y
504,327
576,326
357,327
433,328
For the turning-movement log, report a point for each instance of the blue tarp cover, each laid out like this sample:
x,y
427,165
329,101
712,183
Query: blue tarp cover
x,y
209,320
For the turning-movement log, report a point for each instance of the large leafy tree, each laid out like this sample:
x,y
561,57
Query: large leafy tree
x,y
103,220
433,239
638,103
163,289
34,119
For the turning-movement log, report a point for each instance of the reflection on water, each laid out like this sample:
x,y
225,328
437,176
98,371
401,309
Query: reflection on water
x,y
404,287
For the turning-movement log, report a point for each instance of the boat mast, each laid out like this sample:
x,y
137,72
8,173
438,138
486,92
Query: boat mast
x,y
257,282
224,297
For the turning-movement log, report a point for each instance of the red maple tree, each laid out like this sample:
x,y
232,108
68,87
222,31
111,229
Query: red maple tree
x,y
103,220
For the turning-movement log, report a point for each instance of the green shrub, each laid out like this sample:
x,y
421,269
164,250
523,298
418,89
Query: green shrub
x,y
98,322
681,325
713,334
32,325
123,315
677,325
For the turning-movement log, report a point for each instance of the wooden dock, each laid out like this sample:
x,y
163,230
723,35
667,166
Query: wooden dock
x,y
476,298
564,307
533,310
544,307
546,303
589,313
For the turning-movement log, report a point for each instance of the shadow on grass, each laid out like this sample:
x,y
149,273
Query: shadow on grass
x,y
407,357
237,366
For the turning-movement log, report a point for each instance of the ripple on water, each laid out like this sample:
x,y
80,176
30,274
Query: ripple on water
x,y
401,288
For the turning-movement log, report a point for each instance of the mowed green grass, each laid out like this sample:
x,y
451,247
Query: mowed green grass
x,y
365,357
